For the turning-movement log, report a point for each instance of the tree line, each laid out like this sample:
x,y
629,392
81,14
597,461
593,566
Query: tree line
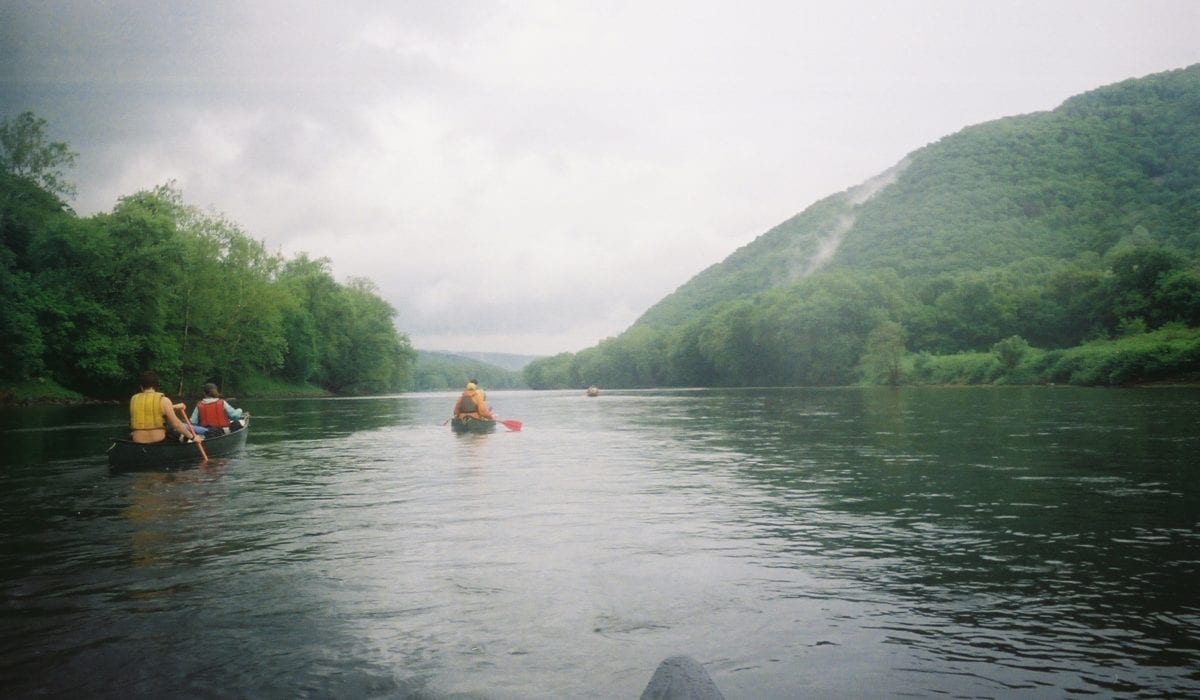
x,y
158,284
846,327
439,371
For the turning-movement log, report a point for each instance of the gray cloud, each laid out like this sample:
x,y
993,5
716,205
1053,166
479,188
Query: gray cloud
x,y
531,176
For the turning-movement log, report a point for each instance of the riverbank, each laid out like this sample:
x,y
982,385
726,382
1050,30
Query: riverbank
x,y
41,392
46,392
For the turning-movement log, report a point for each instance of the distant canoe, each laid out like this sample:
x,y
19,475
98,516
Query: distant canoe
x,y
127,455
472,425
593,390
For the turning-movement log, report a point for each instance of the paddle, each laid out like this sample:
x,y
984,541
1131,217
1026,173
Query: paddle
x,y
188,423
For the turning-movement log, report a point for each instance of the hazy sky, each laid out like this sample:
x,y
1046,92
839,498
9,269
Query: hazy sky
x,y
530,177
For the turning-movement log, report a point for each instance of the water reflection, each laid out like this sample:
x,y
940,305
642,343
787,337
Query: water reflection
x,y
1024,534
157,499
326,419
827,543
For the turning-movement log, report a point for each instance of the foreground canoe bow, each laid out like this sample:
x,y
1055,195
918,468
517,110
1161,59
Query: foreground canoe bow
x,y
130,455
681,678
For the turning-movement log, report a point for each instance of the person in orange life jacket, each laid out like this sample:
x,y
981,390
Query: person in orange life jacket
x,y
471,404
482,393
150,412
214,413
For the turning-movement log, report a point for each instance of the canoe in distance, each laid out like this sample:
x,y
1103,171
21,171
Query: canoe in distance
x,y
472,425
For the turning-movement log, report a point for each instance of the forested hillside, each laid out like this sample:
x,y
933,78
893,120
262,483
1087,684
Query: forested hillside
x,y
441,371
1025,249
89,302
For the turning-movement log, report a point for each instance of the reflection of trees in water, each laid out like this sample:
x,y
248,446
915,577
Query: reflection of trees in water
x,y
884,410
157,502
1064,504
314,419
29,432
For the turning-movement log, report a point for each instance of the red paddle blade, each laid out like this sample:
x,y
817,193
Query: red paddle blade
x,y
513,425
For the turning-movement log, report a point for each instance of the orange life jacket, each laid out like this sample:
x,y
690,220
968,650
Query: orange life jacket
x,y
212,414
471,405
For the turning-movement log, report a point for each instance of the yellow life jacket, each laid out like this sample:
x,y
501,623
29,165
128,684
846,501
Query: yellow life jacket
x,y
145,411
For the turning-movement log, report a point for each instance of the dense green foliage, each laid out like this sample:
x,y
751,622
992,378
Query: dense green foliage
x,y
90,302
1169,354
1049,230
439,371
25,152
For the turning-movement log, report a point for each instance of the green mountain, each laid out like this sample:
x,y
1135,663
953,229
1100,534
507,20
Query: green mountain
x,y
441,371
508,361
1046,230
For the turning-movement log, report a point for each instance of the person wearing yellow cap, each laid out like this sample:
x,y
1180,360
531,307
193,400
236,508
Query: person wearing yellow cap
x,y
471,404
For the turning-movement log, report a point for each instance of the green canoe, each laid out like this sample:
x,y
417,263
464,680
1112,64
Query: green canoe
x,y
126,455
472,425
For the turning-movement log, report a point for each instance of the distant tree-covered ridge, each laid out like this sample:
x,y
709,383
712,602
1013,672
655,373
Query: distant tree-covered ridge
x,y
441,371
1021,240
158,284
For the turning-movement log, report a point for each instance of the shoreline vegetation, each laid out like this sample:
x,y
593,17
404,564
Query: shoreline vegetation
x,y
47,392
1167,357
157,283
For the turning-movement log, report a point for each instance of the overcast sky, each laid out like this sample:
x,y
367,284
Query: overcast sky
x,y
529,177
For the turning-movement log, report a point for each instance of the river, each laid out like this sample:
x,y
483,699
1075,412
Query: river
x,y
799,543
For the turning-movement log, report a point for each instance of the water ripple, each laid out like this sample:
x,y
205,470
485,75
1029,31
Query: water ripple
x,y
826,543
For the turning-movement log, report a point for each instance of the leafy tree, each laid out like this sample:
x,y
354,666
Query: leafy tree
x,y
686,364
158,284
21,350
108,289
25,152
367,355
1177,294
25,209
1011,351
232,311
727,341
1136,279
552,372
302,360
312,292
883,356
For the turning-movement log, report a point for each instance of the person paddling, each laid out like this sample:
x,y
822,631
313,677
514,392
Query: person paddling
x,y
479,389
214,413
471,404
150,411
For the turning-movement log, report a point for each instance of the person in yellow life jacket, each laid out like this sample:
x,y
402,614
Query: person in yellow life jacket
x,y
471,405
150,412
214,413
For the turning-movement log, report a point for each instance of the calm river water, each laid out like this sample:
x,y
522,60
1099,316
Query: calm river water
x,y
1039,542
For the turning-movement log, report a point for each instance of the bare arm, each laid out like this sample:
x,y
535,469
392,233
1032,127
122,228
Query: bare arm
x,y
169,411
